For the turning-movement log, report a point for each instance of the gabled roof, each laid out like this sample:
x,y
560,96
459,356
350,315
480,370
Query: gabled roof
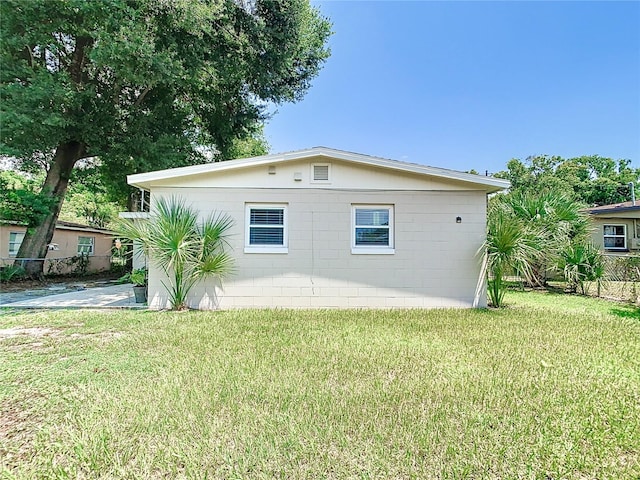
x,y
144,180
615,208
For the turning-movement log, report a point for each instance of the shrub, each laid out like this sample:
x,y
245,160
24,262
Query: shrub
x,y
580,263
11,272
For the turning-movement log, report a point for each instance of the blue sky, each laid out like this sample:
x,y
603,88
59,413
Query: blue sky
x,y
467,85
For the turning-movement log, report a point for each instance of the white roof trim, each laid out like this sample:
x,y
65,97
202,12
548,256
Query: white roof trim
x,y
144,180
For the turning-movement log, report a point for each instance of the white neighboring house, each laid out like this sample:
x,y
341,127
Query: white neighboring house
x,y
323,228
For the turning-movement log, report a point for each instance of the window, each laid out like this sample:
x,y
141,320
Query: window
x,y
320,172
15,240
85,245
266,229
372,229
615,237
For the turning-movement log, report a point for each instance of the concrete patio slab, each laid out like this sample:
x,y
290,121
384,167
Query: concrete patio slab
x,y
116,296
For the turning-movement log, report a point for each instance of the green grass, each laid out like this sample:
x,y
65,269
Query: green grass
x,y
547,388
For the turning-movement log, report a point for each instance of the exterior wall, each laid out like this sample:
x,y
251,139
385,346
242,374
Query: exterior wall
x,y
435,264
67,241
630,220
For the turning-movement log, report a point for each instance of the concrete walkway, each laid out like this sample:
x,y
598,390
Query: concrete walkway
x,y
116,296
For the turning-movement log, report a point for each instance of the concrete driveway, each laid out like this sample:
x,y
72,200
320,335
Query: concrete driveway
x,y
115,296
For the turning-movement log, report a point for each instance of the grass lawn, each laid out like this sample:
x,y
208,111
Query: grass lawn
x,y
547,388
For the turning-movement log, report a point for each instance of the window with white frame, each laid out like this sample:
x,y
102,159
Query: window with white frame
x,y
266,228
15,240
615,237
372,229
86,245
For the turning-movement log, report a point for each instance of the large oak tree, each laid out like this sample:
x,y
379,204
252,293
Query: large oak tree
x,y
144,84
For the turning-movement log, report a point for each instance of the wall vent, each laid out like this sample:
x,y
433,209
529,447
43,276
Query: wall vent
x,y
321,172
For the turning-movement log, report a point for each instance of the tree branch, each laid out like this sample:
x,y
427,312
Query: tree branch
x,y
79,58
141,97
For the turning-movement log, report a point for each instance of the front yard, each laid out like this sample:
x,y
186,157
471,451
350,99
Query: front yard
x,y
548,388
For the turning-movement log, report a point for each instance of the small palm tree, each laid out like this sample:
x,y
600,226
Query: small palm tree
x,y
581,262
186,250
510,247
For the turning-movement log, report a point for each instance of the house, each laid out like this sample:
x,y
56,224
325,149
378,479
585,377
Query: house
x,y
617,227
327,228
70,241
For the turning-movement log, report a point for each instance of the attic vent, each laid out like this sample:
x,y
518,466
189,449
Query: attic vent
x,y
321,172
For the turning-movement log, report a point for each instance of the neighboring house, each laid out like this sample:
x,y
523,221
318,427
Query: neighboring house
x,y
70,241
617,227
327,228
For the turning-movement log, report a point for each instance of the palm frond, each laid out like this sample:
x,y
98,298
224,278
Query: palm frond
x,y
183,249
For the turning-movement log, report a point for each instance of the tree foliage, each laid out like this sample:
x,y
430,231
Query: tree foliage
x,y
145,84
20,202
592,180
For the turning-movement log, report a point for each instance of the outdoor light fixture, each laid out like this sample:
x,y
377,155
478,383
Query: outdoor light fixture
x,y
458,219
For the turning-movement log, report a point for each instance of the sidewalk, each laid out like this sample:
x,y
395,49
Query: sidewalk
x,y
116,296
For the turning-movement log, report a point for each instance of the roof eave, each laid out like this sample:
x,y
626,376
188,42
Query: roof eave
x,y
145,180
615,210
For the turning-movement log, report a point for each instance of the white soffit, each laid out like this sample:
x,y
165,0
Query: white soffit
x,y
146,180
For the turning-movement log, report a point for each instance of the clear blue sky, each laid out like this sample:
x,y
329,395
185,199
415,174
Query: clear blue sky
x,y
467,85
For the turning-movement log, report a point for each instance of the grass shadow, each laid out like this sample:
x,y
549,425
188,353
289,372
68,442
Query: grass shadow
x,y
626,312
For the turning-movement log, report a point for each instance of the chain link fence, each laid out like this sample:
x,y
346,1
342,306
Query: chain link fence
x,y
76,265
621,276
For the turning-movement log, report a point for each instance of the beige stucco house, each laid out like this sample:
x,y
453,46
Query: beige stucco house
x,y
616,227
69,241
323,228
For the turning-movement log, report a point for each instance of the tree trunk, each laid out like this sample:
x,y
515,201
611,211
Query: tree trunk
x,y
35,244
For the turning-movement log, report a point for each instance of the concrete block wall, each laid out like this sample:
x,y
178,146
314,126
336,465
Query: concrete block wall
x,y
435,264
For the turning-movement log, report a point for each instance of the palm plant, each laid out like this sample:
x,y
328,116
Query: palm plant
x,y
580,263
510,248
186,250
556,219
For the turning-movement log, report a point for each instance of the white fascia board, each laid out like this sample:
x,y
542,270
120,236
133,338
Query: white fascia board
x,y
144,180
134,215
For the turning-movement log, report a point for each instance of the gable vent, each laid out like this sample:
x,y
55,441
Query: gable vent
x,y
321,173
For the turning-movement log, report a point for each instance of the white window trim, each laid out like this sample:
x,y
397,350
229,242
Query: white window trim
x,y
13,254
312,176
373,249
624,228
93,245
266,248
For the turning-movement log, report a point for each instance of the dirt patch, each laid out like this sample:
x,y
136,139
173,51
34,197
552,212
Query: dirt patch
x,y
33,332
35,335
